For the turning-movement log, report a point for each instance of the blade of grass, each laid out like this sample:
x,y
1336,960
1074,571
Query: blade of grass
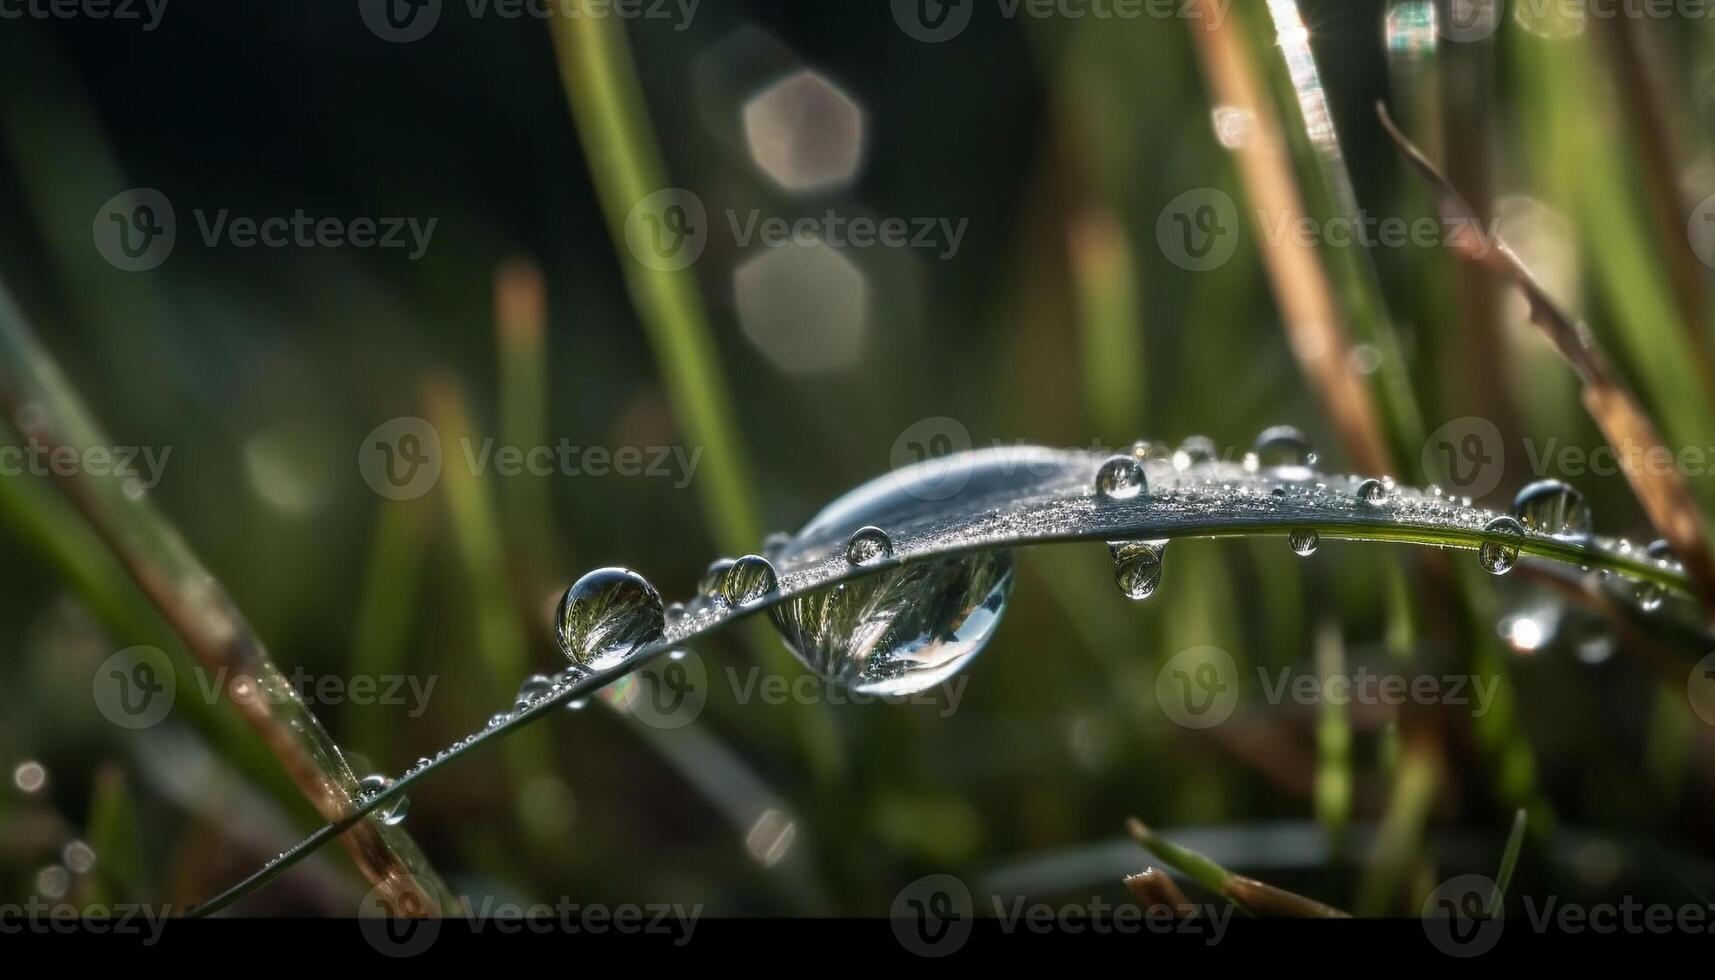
x,y
1110,325
1310,310
385,612
1663,491
1401,831
1211,500
1333,741
1249,894
1509,863
625,162
197,607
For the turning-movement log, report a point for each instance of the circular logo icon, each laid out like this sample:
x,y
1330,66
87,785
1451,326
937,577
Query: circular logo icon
x,y
1466,456
1701,230
668,229
932,916
400,459
929,448
1456,919
932,21
1700,688
1465,21
404,928
670,691
135,230
1199,229
1199,687
135,687
400,21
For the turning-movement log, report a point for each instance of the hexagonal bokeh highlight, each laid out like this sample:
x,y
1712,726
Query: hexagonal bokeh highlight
x,y
804,132
805,307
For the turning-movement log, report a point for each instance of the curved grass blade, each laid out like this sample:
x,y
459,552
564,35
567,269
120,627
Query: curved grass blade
x,y
1209,500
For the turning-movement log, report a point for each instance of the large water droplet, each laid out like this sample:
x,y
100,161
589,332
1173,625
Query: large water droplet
x,y
394,813
1499,557
1121,478
1552,507
606,615
1303,541
907,628
868,544
747,580
709,586
1137,567
1374,492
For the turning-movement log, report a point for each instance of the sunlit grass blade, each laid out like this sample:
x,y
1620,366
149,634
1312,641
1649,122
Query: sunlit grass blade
x,y
1333,740
1663,491
1396,843
1254,896
1109,321
1211,500
38,398
1509,863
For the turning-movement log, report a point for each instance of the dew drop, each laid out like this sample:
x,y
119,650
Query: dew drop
x,y
709,586
1194,451
907,628
1650,596
1374,492
606,615
674,612
533,689
868,544
392,815
747,580
1284,447
1303,542
1121,478
1499,557
1137,567
1660,550
775,544
1552,507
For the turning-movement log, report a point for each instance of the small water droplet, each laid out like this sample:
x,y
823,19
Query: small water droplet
x,y
868,544
1552,507
674,612
709,586
1374,492
1499,557
747,580
775,544
1284,447
1194,451
606,615
1121,478
1659,550
1137,567
577,704
392,815
1303,541
534,687
1650,596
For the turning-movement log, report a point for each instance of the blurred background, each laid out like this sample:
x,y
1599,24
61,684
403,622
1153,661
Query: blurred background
x,y
1048,289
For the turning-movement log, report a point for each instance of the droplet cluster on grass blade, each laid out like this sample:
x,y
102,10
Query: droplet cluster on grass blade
x,y
850,609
